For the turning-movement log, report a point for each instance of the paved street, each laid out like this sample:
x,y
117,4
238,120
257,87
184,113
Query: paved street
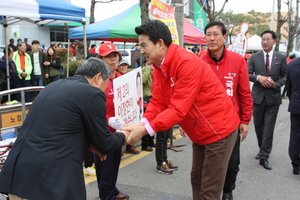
x,y
138,178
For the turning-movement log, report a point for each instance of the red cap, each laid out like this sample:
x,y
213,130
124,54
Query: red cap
x,y
107,48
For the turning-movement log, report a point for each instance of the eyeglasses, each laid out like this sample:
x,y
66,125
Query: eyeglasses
x,y
266,40
209,35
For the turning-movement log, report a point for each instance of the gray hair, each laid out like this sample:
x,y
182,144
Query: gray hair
x,y
93,66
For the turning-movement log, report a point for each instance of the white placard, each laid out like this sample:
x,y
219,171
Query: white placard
x,y
128,96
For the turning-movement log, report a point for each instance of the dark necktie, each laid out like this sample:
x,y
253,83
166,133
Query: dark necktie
x,y
267,65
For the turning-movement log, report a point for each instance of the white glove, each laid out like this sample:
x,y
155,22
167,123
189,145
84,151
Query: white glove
x,y
116,123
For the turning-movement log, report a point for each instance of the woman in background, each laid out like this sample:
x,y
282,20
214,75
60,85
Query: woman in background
x,y
52,64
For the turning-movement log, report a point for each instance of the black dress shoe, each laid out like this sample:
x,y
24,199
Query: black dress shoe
x,y
296,171
152,145
257,156
265,164
147,148
227,196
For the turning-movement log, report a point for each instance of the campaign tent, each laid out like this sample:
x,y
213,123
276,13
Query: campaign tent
x,y
120,28
39,12
192,35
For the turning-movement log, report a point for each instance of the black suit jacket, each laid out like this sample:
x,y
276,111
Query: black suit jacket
x,y
46,161
293,86
42,59
256,66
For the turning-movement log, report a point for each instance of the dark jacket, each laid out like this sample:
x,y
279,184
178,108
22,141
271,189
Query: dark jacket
x,y
256,66
13,73
42,59
46,160
293,86
54,68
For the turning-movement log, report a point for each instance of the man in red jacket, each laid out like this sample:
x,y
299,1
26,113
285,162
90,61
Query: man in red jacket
x,y
234,77
187,92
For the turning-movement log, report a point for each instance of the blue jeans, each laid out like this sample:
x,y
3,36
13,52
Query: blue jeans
x,y
38,80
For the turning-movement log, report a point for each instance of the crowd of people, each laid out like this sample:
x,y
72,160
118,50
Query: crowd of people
x,y
206,94
29,66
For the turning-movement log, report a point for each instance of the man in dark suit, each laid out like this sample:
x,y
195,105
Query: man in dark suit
x,y
267,70
64,120
293,92
38,69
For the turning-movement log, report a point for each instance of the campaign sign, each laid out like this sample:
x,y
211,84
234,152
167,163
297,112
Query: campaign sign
x,y
165,13
128,96
240,44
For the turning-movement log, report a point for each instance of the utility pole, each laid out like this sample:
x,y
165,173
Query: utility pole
x,y
178,4
272,16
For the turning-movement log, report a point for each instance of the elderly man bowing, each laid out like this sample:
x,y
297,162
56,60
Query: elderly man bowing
x,y
64,120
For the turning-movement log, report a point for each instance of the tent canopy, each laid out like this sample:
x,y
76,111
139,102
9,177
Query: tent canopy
x,y
39,12
120,28
192,35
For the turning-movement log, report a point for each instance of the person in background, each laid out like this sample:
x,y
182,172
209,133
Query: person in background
x,y
136,47
123,67
93,49
247,56
12,45
79,50
107,171
13,74
147,140
188,93
293,92
54,45
234,77
52,65
59,46
291,58
267,70
66,118
73,50
38,75
19,41
28,46
202,51
195,49
24,68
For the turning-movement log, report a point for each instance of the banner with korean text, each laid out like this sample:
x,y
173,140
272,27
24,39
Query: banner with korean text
x,y
165,13
128,96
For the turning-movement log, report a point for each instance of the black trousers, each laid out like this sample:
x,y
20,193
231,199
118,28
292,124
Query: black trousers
x,y
264,122
107,174
162,146
233,166
294,146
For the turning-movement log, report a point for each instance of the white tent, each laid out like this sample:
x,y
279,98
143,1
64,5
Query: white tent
x,y
254,43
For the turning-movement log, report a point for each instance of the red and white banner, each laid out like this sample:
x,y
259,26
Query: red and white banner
x,y
240,43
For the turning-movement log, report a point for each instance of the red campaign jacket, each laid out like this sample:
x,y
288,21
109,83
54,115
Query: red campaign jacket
x,y
109,93
187,92
232,71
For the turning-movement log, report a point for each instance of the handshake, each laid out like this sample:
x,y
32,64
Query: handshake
x,y
132,132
